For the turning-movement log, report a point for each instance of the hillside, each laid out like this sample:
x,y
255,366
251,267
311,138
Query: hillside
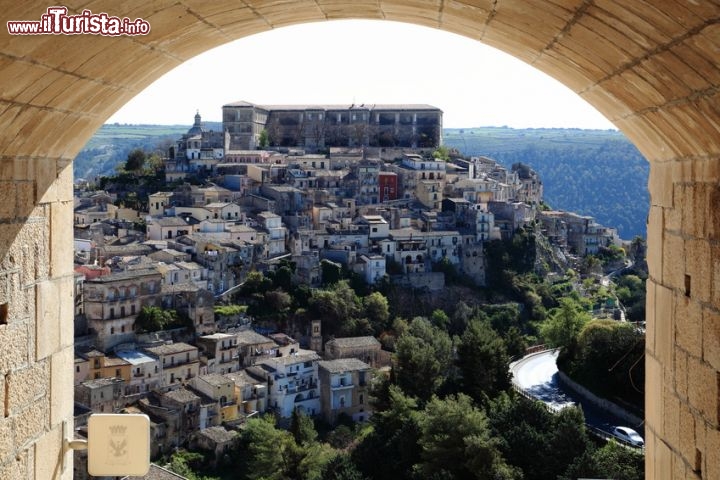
x,y
111,144
592,172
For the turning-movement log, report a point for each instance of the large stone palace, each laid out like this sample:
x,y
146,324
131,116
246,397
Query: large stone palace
x,y
321,126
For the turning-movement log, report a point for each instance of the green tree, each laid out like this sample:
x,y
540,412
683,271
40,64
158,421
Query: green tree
x,y
302,428
456,442
135,160
255,282
423,359
265,449
377,310
483,361
153,319
338,306
564,324
188,464
341,467
391,449
442,153
440,319
541,444
263,139
607,359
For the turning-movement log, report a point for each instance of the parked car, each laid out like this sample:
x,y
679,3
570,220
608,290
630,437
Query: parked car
x,y
629,435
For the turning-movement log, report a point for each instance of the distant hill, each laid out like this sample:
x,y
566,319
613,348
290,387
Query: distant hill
x,y
592,172
111,144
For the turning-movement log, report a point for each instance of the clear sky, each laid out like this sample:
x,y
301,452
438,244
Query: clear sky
x,y
358,61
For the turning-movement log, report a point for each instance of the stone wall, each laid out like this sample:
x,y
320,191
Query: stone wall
x,y
683,316
36,316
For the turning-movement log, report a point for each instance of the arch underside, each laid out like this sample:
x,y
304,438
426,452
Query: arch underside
x,y
650,66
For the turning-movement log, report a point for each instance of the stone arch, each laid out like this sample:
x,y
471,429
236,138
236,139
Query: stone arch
x,y
650,67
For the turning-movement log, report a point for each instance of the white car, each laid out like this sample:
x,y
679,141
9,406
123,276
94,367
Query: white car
x,y
629,435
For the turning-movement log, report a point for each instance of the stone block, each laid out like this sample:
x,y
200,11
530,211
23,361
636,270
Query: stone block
x,y
14,338
650,300
663,461
47,319
31,422
688,324
61,239
48,454
714,264
703,389
654,394
7,440
711,338
656,235
679,469
8,198
713,213
671,418
27,385
660,184
687,434
67,311
650,457
699,266
673,266
16,468
711,460
680,374
62,380
664,329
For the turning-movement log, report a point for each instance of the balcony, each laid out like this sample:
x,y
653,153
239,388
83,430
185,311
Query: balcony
x,y
341,386
301,388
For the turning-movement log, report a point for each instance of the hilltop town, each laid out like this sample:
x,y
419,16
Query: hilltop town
x,y
366,189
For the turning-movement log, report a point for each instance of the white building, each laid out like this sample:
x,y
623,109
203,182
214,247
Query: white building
x,y
144,373
293,383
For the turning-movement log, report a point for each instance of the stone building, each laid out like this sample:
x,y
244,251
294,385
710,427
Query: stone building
x,y
345,389
292,383
366,349
219,352
112,302
179,362
322,126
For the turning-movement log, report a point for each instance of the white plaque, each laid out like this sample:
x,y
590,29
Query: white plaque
x,y
118,444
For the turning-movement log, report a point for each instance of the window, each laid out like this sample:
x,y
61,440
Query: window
x,y
77,369
361,399
117,372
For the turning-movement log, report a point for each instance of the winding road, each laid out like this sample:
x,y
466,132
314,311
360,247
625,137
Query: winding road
x,y
537,375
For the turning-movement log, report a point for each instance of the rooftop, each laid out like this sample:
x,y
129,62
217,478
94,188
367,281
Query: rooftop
x,y
215,379
249,337
364,106
182,395
343,365
355,342
134,357
169,349
218,434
